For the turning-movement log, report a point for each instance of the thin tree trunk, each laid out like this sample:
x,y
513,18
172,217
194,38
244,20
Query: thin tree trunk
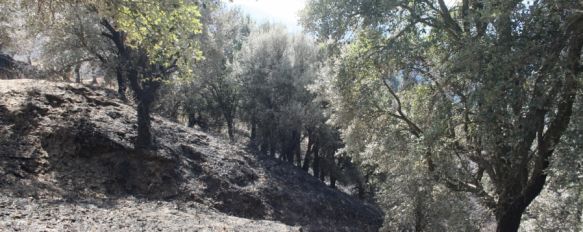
x,y
191,120
121,84
253,139
253,130
272,147
316,162
78,73
323,173
264,147
360,189
299,154
284,148
295,145
264,139
289,147
230,127
309,150
67,76
333,181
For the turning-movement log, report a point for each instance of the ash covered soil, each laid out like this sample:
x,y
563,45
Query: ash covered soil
x,y
129,214
67,163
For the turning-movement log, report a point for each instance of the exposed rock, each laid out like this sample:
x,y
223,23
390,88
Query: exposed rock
x,y
67,142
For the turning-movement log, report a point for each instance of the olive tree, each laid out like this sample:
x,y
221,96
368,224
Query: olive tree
x,y
153,43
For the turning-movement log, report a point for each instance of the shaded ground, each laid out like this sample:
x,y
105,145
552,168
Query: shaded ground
x,y
68,143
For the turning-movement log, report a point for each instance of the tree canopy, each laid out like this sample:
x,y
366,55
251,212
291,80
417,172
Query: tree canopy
x,y
149,42
481,92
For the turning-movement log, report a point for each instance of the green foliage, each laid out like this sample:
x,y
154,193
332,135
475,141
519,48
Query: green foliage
x,y
164,29
560,206
274,69
151,40
212,98
432,88
75,40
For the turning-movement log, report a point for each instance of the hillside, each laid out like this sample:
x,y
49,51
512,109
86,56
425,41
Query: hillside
x,y
67,159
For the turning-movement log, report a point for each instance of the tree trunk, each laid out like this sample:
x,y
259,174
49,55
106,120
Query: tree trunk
x,y
333,181
202,122
272,146
94,81
121,84
284,148
420,223
144,139
316,163
191,120
253,131
230,127
145,96
309,150
296,150
299,154
290,146
264,147
508,218
78,73
264,141
360,188
133,63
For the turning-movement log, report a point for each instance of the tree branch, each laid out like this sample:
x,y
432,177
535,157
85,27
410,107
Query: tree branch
x,y
448,20
561,121
415,130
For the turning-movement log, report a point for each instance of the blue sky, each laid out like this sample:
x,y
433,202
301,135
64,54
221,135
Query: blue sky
x,y
277,11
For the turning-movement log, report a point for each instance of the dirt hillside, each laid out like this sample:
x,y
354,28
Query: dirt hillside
x,y
67,163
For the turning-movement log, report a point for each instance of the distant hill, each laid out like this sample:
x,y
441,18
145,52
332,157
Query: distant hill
x,y
66,149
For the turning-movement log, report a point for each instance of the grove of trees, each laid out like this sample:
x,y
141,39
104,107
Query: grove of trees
x,y
451,115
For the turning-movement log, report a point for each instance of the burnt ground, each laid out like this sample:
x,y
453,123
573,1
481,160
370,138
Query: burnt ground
x,y
67,162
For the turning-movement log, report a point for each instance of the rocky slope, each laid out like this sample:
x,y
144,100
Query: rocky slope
x,y
65,149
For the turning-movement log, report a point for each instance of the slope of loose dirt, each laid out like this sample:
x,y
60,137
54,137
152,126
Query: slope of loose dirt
x,y
69,144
